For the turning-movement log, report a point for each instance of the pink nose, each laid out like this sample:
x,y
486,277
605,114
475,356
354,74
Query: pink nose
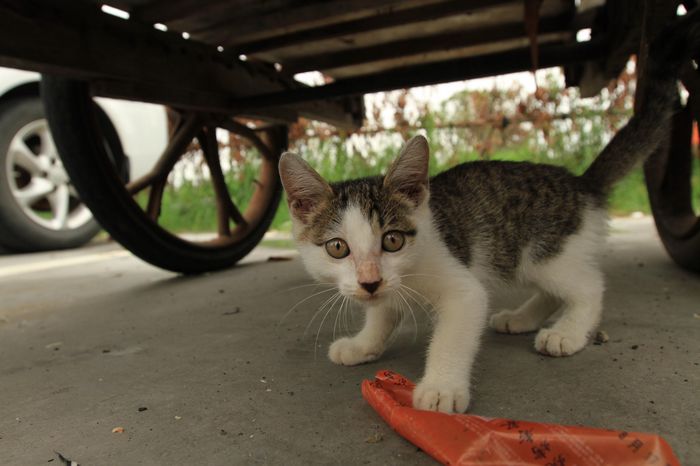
x,y
371,287
368,272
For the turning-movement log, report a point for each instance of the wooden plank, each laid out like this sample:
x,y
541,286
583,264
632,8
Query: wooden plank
x,y
186,15
420,45
165,11
439,56
231,27
383,20
463,21
77,40
434,73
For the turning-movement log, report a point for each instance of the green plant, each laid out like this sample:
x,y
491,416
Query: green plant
x,y
553,125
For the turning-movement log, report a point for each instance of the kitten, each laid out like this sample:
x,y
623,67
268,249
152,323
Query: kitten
x,y
449,236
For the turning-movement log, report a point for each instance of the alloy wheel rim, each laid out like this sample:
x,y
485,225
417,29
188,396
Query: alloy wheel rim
x,y
38,182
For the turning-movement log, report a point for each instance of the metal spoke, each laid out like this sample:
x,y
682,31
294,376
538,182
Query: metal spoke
x,y
181,138
21,155
37,189
225,208
60,201
47,145
73,192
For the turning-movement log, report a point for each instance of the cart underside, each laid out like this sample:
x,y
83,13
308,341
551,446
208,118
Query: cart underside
x,y
221,59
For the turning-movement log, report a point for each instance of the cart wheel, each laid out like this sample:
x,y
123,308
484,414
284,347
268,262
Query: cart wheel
x,y
668,178
71,116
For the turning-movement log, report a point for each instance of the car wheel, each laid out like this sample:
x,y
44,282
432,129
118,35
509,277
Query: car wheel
x,y
39,207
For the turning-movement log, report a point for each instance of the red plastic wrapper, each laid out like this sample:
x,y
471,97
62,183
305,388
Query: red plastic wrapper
x,y
469,440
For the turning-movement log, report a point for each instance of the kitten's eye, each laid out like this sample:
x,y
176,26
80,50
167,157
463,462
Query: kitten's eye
x,y
337,248
393,241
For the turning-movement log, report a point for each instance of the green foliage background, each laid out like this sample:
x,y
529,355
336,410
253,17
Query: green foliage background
x,y
535,134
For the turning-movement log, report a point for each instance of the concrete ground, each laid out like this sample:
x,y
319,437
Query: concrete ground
x,y
207,369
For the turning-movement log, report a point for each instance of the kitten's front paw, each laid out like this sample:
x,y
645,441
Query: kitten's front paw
x,y
512,322
446,398
350,352
556,343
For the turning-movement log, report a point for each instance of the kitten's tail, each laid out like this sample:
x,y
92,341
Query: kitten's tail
x,y
643,133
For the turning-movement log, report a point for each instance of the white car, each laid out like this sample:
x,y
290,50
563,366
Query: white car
x,y
39,208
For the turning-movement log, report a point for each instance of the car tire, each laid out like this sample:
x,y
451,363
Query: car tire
x,y
39,208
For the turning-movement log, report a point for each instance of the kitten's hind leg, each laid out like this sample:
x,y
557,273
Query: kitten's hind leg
x,y
369,343
528,317
581,290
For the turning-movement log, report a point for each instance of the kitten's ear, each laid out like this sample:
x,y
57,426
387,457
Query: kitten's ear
x,y
305,188
408,175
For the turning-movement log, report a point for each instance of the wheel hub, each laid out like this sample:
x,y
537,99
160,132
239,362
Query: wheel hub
x,y
39,183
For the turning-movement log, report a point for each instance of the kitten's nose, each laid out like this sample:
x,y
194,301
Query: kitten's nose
x,y
371,287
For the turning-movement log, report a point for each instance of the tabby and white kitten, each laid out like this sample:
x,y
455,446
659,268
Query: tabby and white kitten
x,y
449,236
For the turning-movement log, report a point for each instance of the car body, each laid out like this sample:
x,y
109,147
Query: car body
x,y
39,209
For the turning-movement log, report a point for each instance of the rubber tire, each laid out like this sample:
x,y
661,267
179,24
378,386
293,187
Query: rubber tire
x,y
18,232
668,177
72,122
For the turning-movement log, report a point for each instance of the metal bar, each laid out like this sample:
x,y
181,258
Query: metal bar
x,y
433,73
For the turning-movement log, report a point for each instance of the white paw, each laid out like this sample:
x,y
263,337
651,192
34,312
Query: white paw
x,y
511,322
350,352
556,343
446,398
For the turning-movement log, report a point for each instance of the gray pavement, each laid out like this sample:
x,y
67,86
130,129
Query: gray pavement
x,y
89,338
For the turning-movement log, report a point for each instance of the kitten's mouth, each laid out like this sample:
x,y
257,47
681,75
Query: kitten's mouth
x,y
370,297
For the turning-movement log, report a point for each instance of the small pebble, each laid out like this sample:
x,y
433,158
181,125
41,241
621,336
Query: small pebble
x,y
374,438
601,337
230,313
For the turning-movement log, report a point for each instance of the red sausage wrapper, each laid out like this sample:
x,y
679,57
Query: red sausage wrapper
x,y
468,440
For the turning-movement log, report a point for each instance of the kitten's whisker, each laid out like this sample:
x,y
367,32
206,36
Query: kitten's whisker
x,y
346,311
411,292
352,307
337,316
418,299
320,309
301,302
399,319
420,275
320,326
413,316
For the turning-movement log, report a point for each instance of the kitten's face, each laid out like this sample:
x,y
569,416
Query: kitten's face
x,y
359,235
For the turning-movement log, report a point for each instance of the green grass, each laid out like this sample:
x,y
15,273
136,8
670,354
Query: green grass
x,y
192,208
278,243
